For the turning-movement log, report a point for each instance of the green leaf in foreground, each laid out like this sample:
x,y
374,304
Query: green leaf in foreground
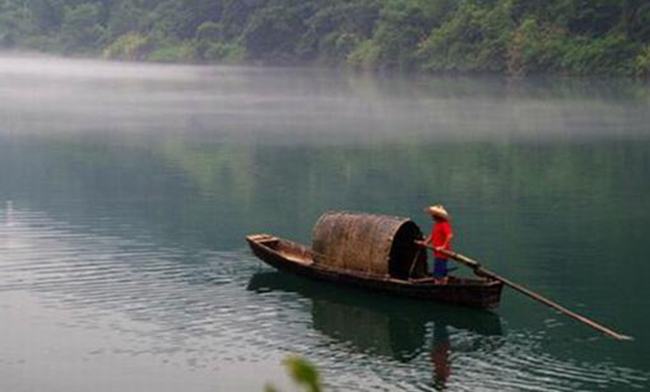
x,y
303,373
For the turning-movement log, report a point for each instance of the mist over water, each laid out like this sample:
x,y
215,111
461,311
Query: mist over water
x,y
126,190
279,105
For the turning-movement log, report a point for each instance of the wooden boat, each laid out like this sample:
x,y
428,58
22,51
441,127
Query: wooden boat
x,y
374,252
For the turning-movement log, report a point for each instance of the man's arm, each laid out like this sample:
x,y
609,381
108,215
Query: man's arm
x,y
427,241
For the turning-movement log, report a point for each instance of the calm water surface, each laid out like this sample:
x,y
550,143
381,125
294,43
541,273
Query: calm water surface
x,y
126,191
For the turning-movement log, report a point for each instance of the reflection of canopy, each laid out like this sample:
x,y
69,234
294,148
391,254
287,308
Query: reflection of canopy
x,y
370,330
377,245
384,325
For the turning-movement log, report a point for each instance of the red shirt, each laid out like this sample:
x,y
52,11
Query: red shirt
x,y
439,234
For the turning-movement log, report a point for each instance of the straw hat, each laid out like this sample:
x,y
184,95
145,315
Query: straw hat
x,y
438,210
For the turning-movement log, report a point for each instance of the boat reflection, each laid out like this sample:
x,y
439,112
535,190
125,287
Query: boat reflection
x,y
396,327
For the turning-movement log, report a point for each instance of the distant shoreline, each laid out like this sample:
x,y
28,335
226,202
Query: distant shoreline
x,y
48,55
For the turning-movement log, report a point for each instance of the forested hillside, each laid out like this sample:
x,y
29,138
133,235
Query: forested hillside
x,y
517,37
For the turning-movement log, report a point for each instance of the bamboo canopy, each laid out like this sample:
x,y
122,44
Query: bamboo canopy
x,y
377,245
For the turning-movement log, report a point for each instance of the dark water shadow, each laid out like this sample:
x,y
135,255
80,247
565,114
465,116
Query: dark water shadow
x,y
379,324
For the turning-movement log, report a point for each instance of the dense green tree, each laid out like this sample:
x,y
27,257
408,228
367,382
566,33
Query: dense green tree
x,y
81,29
274,30
125,17
577,37
334,31
15,22
47,15
403,26
473,39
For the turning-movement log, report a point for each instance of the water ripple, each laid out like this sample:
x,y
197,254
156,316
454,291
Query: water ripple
x,y
190,309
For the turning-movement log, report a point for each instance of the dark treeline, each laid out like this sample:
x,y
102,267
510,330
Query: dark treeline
x,y
517,37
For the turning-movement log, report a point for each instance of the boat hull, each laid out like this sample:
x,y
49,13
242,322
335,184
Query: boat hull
x,y
291,257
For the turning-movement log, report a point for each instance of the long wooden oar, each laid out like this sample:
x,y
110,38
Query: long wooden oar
x,y
479,270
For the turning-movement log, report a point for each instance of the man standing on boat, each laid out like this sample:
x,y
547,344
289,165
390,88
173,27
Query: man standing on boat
x,y
440,239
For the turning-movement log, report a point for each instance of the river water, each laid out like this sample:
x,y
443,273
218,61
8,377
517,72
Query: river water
x,y
126,191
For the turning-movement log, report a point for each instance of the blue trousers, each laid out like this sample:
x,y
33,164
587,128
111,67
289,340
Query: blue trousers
x,y
440,268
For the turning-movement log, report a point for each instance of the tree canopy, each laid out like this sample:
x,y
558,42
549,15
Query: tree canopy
x,y
517,37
